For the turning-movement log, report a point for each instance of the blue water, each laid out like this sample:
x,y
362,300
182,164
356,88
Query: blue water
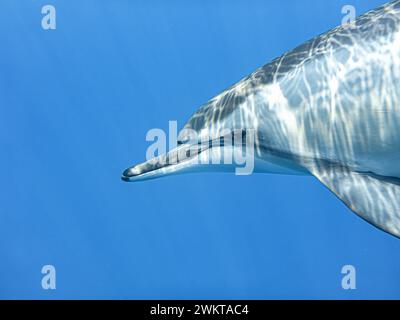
x,y
75,106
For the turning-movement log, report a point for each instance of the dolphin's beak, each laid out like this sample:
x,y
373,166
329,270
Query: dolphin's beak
x,y
189,157
194,156
178,160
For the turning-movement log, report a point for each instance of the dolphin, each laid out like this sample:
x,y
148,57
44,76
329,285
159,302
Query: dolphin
x,y
329,108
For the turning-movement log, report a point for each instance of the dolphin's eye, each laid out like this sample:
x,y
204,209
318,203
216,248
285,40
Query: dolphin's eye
x,y
184,140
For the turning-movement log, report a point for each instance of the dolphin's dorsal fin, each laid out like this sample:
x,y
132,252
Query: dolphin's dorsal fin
x,y
373,197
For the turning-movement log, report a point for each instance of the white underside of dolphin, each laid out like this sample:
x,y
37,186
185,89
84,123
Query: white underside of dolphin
x,y
329,108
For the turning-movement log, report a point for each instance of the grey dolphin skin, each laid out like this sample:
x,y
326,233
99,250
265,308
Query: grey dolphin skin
x,y
330,108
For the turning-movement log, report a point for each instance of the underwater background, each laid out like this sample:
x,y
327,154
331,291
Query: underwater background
x,y
76,104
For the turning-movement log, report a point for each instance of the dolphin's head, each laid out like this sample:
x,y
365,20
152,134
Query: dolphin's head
x,y
210,141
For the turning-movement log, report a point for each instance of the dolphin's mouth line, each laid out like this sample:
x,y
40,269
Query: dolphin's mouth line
x,y
166,160
183,153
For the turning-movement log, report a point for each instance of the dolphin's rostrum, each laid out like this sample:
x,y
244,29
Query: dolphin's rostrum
x,y
329,108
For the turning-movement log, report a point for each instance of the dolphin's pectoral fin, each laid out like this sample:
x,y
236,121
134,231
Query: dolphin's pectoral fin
x,y
374,198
